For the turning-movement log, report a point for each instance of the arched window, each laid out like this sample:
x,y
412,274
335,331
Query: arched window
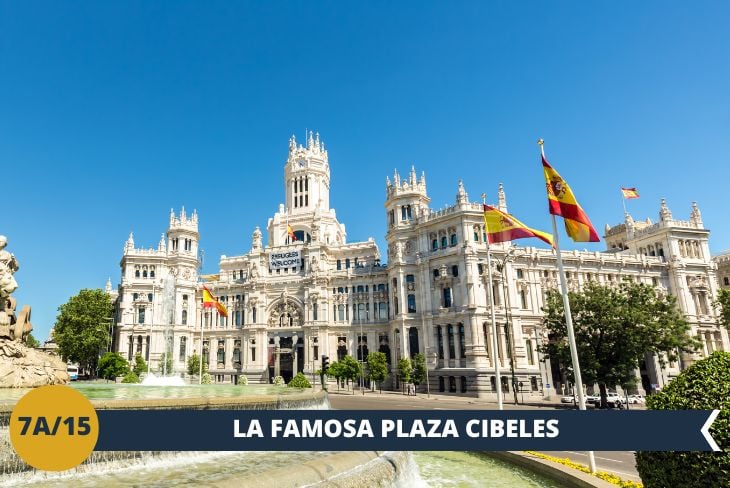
x,y
183,347
453,239
440,342
384,310
221,352
444,242
314,311
434,245
136,273
144,273
185,317
152,272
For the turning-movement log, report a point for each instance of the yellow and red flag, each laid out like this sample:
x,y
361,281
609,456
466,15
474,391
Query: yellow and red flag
x,y
562,202
290,232
209,301
630,193
503,227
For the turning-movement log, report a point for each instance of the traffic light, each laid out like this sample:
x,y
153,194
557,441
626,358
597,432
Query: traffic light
x,y
325,364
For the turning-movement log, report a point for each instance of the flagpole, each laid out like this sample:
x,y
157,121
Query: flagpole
x,y
623,201
495,356
200,366
569,323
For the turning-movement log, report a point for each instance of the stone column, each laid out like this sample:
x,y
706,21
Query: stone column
x,y
294,355
277,354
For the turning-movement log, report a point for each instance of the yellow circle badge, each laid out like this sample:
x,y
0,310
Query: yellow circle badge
x,y
54,428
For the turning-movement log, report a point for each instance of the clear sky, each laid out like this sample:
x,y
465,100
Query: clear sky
x,y
111,113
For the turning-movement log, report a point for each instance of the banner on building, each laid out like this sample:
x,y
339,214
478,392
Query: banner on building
x,y
285,259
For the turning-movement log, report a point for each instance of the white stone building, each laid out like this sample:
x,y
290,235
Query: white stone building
x,y
292,301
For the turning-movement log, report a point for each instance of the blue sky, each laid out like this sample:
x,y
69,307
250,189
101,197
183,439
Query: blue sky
x,y
111,113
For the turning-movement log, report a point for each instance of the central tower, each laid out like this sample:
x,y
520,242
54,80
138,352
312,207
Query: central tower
x,y
306,211
307,176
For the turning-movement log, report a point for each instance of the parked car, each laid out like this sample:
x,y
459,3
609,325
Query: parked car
x,y
572,399
614,400
637,399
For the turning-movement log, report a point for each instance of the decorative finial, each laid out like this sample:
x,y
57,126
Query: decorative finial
x,y
540,142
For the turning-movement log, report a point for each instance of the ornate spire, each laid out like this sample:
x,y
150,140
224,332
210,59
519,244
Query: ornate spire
x,y
256,238
172,217
310,140
696,216
161,245
292,144
387,182
461,196
396,178
665,214
130,241
412,178
108,287
182,214
501,199
317,144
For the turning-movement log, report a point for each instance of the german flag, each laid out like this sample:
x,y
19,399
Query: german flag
x,y
630,193
290,232
503,227
562,202
209,301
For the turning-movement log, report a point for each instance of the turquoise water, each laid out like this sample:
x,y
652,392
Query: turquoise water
x,y
108,391
472,470
423,470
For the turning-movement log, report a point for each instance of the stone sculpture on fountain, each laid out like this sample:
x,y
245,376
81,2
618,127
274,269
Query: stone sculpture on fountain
x,y
21,366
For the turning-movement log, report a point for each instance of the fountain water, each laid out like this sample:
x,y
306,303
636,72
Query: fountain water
x,y
168,319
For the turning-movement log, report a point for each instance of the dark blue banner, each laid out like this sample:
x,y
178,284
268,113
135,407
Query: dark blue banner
x,y
368,430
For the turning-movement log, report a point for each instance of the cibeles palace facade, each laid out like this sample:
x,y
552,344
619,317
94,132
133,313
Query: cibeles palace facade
x,y
292,301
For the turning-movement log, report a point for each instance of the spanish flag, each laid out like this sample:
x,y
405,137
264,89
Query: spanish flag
x,y
209,301
290,231
630,193
562,202
503,227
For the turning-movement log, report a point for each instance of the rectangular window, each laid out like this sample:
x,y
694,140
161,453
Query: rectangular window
x,y
530,358
339,264
411,303
447,297
253,354
149,297
140,317
410,278
520,274
347,263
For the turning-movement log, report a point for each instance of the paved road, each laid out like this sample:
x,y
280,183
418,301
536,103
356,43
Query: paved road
x,y
621,463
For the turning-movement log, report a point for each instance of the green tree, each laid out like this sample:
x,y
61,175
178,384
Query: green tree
x,y
130,377
140,365
335,370
418,375
351,369
299,381
112,364
31,341
194,365
723,307
404,370
703,386
377,368
82,327
614,328
165,365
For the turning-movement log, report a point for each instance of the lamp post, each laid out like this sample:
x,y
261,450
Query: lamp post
x,y
509,337
362,358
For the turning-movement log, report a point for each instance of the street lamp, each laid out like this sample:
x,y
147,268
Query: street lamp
x,y
509,337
